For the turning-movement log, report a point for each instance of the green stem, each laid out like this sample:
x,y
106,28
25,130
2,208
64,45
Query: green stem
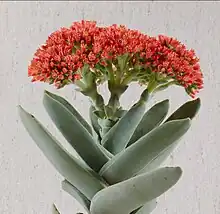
x,y
161,87
128,79
91,92
116,91
152,85
97,100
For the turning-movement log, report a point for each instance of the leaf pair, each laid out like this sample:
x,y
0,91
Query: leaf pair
x,y
74,132
145,152
70,167
155,116
77,131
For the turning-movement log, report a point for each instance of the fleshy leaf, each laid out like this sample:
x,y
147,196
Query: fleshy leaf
x,y
151,119
73,191
147,208
135,192
72,110
94,122
67,166
187,110
119,135
75,133
141,154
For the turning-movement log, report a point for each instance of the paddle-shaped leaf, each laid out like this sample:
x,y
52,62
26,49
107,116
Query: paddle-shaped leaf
x,y
66,165
78,116
94,122
147,208
119,135
151,119
75,133
187,110
73,191
126,196
141,154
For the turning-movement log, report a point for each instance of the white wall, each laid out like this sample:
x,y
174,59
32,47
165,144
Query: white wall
x,y
28,183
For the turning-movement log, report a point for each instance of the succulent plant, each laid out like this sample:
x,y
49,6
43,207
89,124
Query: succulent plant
x,y
121,151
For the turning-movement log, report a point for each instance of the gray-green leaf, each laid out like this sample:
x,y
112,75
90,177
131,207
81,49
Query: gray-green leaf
x,y
71,109
119,135
75,133
187,110
133,193
151,119
142,154
73,191
94,121
66,165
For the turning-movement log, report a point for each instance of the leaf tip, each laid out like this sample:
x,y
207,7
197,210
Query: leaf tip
x,y
166,103
20,108
22,112
176,170
187,122
198,102
198,99
179,170
47,93
54,209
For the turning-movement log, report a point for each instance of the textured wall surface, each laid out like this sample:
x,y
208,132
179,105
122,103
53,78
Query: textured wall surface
x,y
28,183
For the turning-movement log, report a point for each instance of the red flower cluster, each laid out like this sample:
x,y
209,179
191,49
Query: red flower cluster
x,y
69,49
64,53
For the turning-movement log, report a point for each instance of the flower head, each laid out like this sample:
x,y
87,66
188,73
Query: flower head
x,y
65,51
84,43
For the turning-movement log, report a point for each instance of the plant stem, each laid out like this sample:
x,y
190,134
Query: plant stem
x,y
97,100
91,92
116,91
